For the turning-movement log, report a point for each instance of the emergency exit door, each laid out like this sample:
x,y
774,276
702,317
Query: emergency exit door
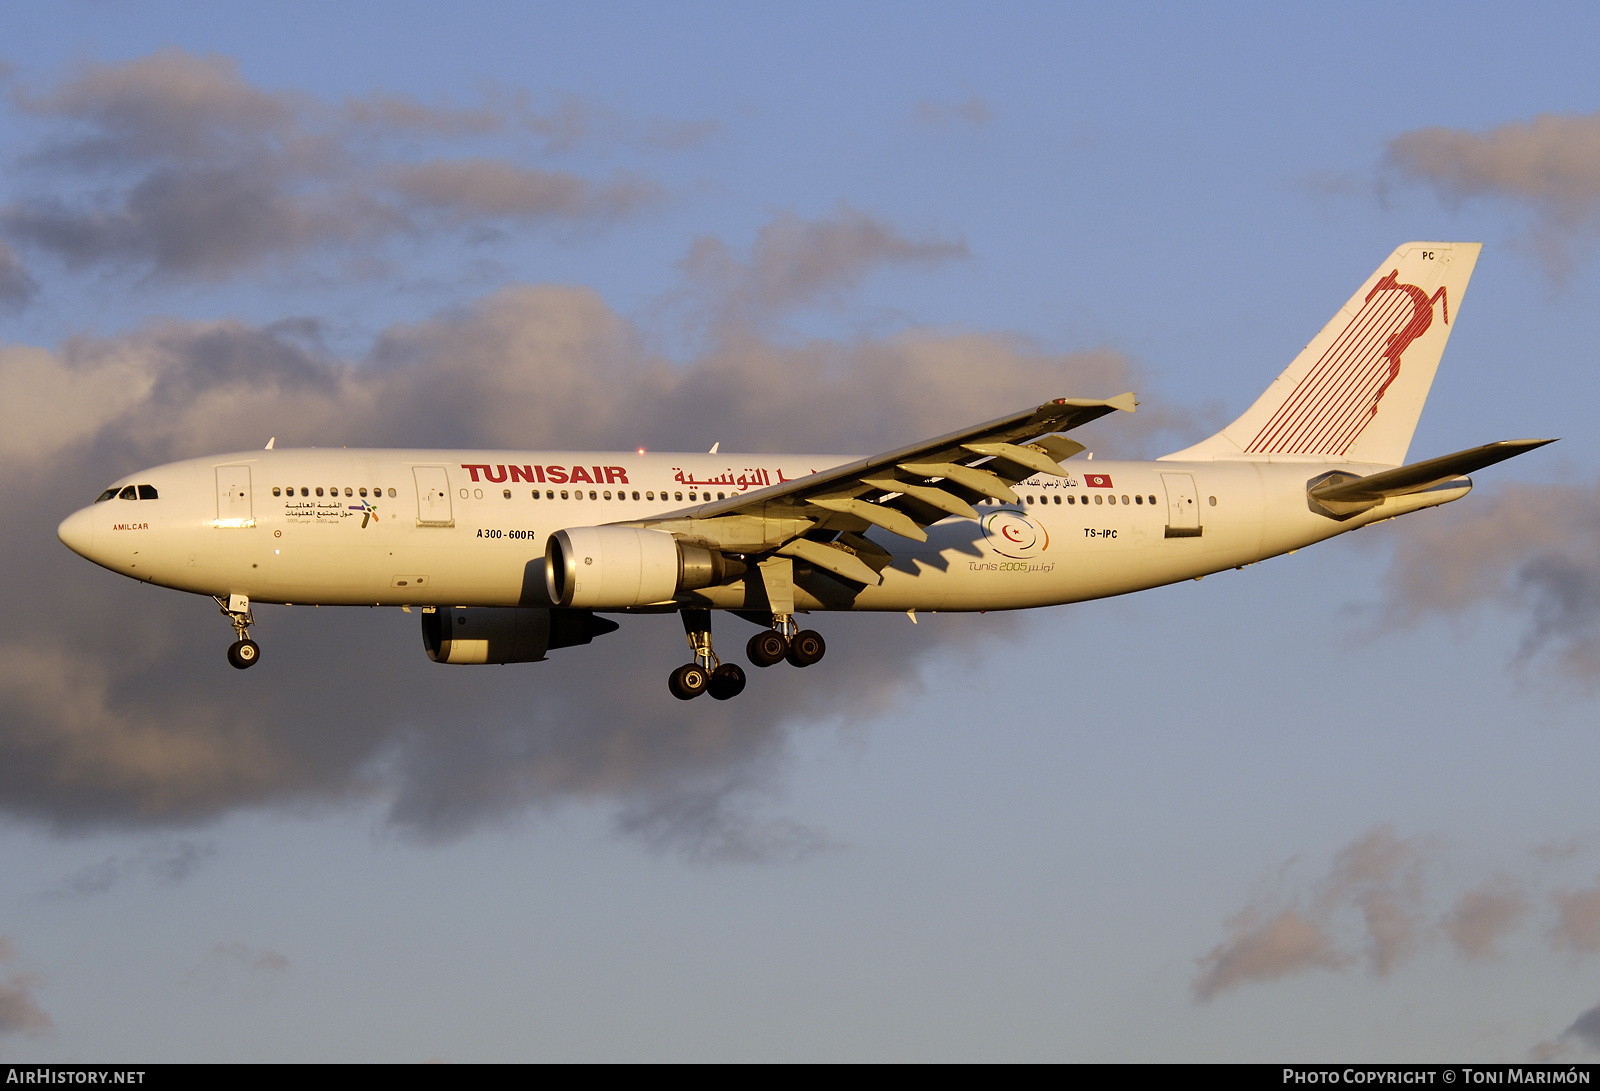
x,y
1183,506
433,497
233,497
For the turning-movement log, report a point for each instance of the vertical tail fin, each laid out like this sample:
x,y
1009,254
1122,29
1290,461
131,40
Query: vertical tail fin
x,y
1355,392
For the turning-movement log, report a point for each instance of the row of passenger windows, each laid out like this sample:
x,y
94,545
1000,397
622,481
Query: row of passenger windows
x,y
597,494
129,492
1073,498
307,491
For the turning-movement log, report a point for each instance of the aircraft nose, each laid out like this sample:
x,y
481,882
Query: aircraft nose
x,y
77,532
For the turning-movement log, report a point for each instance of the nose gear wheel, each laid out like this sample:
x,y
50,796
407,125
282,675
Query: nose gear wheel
x,y
243,652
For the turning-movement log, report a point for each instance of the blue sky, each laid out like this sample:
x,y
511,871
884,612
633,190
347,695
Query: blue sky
x,y
1335,805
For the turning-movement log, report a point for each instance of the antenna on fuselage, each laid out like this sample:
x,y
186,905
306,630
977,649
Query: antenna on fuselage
x,y
714,447
270,442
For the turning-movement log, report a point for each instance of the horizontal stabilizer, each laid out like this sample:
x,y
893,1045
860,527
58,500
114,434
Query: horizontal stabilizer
x,y
1345,494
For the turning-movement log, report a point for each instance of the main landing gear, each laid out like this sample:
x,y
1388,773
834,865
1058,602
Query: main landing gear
x,y
707,673
243,652
801,648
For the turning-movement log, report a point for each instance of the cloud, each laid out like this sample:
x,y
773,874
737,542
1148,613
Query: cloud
x,y
1550,164
1577,925
255,970
1586,1029
797,262
175,165
1376,900
1381,873
1378,876
19,1012
1534,549
16,286
974,111
1482,916
1583,1036
117,710
713,830
167,862
1381,897
1286,943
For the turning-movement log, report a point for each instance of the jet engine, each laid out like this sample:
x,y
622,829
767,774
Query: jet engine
x,y
506,634
612,568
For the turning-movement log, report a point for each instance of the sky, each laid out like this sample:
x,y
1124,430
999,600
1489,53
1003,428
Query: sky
x,y
1335,806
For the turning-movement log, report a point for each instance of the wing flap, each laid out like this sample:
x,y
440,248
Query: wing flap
x,y
834,560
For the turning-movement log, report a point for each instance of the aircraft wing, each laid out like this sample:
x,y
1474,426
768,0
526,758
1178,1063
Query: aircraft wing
x,y
902,491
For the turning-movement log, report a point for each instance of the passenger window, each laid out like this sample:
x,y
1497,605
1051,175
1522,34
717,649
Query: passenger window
x,y
507,493
592,495
550,494
1058,499
276,491
1213,501
391,492
649,496
1138,499
1124,499
636,494
563,494
1099,499
362,491
679,495
319,490
1152,500
608,494
721,497
129,493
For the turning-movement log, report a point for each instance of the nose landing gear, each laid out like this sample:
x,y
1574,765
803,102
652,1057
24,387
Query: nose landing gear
x,y
243,652
707,673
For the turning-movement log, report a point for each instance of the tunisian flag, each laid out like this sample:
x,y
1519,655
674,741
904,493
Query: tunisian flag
x,y
1097,481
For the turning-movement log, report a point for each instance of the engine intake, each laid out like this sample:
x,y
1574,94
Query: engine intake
x,y
506,634
612,568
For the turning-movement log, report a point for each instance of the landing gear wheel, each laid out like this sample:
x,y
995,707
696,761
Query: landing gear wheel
x,y
689,681
726,681
807,647
766,648
244,653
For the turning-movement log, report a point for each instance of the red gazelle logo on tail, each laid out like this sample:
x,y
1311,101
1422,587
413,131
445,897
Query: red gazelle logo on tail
x,y
1339,396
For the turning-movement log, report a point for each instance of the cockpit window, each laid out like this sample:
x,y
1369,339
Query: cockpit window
x,y
107,495
147,492
129,493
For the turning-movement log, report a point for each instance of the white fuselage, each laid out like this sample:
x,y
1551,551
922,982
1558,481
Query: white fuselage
x,y
468,528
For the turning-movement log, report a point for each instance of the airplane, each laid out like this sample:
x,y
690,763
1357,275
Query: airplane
x,y
510,555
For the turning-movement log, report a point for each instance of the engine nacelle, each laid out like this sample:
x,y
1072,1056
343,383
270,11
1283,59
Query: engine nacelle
x,y
612,568
506,634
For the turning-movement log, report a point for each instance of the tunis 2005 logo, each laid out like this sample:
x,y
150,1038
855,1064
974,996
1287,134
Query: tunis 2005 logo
x,y
1013,534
